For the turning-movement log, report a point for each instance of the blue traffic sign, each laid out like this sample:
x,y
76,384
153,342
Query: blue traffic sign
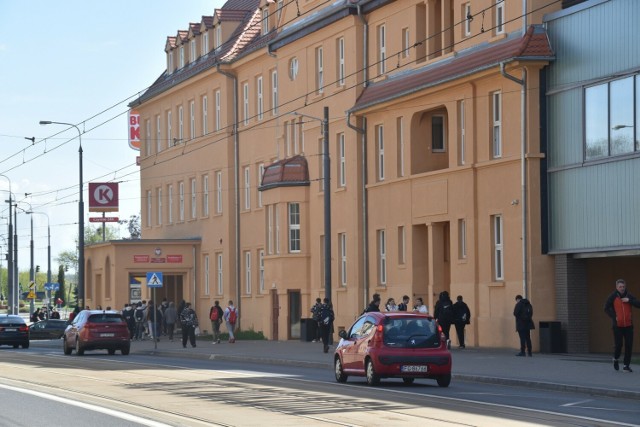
x,y
52,286
154,279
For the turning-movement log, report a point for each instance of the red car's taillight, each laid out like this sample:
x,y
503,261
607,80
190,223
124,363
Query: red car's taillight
x,y
24,328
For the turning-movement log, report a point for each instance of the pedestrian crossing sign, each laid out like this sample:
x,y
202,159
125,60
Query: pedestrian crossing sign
x,y
154,279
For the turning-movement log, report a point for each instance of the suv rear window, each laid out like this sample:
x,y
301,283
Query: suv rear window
x,y
410,332
11,320
106,318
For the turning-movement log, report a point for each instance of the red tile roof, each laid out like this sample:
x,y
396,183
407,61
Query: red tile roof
x,y
207,21
289,172
194,28
534,45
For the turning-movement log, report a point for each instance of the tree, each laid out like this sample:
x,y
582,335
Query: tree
x,y
133,225
60,293
94,234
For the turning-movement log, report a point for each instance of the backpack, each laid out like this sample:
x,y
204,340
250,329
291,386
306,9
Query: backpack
x,y
139,315
233,316
527,312
213,314
446,313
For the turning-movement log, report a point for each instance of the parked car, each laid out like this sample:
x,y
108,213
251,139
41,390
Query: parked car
x,y
398,344
51,329
13,331
96,330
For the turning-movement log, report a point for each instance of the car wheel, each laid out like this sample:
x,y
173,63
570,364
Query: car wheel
x,y
340,375
79,349
125,350
112,351
16,345
408,381
65,348
444,380
372,377
25,344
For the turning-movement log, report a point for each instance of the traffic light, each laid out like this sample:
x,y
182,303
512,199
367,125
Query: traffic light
x,y
37,269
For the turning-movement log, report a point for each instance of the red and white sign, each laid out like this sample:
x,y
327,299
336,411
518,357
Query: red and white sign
x,y
103,219
141,258
174,258
103,197
134,130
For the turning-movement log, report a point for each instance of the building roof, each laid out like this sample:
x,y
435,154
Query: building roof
x,y
290,172
534,45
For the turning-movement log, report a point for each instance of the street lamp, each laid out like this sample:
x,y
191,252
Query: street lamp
x,y
327,199
32,275
30,212
11,284
80,301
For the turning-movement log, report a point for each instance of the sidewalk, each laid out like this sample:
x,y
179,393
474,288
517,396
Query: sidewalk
x,y
585,373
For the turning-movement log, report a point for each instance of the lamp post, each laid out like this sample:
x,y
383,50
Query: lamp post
x,y
30,212
80,301
32,274
327,198
11,284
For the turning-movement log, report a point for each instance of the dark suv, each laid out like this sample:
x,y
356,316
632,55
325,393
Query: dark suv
x,y
395,344
97,330
13,331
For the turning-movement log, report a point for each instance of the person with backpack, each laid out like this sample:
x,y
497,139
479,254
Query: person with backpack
x,y
139,315
523,312
128,313
326,323
230,317
189,321
215,315
443,312
461,318
315,314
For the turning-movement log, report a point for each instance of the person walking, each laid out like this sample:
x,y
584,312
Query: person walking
x,y
374,305
127,313
215,315
315,314
189,321
523,312
618,307
139,315
170,317
230,318
462,317
443,312
404,305
326,325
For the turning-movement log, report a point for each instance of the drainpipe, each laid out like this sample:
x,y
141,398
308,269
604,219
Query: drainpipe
x,y
524,17
365,209
236,180
523,168
365,50
195,274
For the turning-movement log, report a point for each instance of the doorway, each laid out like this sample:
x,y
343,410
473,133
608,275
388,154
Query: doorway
x,y
295,313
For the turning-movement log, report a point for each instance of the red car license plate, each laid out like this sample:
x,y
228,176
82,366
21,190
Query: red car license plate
x,y
107,335
413,368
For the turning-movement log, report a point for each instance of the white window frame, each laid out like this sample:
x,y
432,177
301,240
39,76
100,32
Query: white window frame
x,y
259,98
220,276
401,145
149,207
265,20
170,65
277,234
382,49
462,238
342,245
382,257
169,129
319,70
180,124
341,63
462,133
496,128
181,56
192,119
159,216
245,103
170,210
247,188
204,47
342,161
270,229
194,200
293,211
218,108
192,46
261,270
181,200
402,245
467,21
206,275
218,192
158,134
218,38
379,129
259,182
274,92
500,15
247,272
406,42
147,145
498,248
205,113
205,195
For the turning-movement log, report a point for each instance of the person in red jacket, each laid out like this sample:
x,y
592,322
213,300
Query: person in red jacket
x,y
618,308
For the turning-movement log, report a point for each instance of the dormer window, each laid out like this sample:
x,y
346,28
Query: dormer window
x,y
181,56
205,43
170,62
265,21
193,50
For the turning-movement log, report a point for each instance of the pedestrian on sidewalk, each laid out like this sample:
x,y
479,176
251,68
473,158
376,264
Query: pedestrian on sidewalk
x,y
374,305
404,305
315,314
230,318
618,308
139,315
128,313
443,312
462,317
215,315
189,321
523,312
170,317
326,325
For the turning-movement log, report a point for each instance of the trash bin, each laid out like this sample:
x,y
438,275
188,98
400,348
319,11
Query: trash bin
x,y
308,329
551,337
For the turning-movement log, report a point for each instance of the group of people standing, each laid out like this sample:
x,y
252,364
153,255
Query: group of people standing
x,y
324,316
229,316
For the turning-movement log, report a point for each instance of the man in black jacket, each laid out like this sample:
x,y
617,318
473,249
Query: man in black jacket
x,y
523,313
462,316
618,308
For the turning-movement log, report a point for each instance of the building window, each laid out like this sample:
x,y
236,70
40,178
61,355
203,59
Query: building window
x,y
205,119
245,103
259,182
147,142
193,50
170,207
192,119
461,133
206,274
406,43
219,192
261,272
402,245
467,17
218,106
194,212
380,152
180,124
342,161
247,272
259,98
462,239
169,130
270,229
382,257
265,20
219,273
218,38
499,24
277,233
382,49
247,188
342,242
437,134
496,128
274,92
181,201
158,135
149,207
279,9
400,136
498,249
181,56
293,68
205,195
294,227
159,206
170,65
611,116
205,43
319,70
341,69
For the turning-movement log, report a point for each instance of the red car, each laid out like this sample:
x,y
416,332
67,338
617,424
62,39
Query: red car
x,y
393,345
96,330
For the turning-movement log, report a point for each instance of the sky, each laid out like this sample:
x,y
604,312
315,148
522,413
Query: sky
x,y
79,62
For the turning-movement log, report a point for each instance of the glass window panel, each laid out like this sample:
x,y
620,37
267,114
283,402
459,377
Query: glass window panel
x,y
596,123
621,108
